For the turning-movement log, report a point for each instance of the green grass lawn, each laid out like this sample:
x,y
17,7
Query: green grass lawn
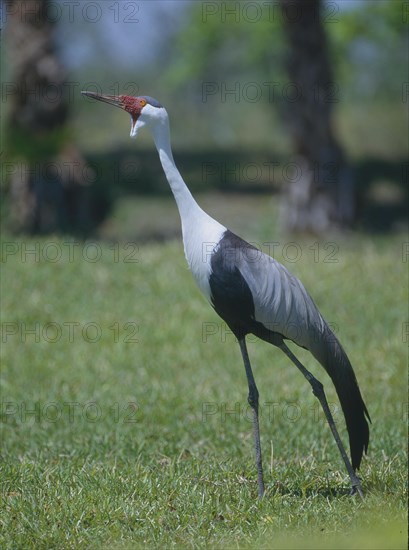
x,y
124,414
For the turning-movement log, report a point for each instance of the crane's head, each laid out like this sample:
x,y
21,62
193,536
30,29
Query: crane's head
x,y
144,110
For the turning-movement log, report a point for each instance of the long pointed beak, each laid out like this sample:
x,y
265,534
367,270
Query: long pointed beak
x,y
110,99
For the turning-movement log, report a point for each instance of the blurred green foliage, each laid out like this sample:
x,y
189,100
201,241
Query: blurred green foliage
x,y
231,41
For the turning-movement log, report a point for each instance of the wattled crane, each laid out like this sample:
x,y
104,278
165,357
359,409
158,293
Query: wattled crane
x,y
254,294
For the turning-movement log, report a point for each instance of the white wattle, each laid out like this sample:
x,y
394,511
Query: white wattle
x,y
201,233
136,126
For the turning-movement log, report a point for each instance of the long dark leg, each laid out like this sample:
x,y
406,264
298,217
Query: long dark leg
x,y
253,402
318,391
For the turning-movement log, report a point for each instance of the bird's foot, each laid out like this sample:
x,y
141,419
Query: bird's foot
x,y
356,488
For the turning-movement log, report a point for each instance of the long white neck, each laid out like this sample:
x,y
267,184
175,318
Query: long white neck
x,y
201,233
187,205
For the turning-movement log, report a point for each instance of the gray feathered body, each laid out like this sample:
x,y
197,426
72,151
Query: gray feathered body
x,y
256,294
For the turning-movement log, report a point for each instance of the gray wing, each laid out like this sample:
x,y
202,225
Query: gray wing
x,y
281,302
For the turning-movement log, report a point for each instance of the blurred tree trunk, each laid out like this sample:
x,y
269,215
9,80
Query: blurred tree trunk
x,y
44,169
321,194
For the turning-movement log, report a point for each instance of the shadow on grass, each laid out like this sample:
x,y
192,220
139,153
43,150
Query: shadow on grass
x,y
281,489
